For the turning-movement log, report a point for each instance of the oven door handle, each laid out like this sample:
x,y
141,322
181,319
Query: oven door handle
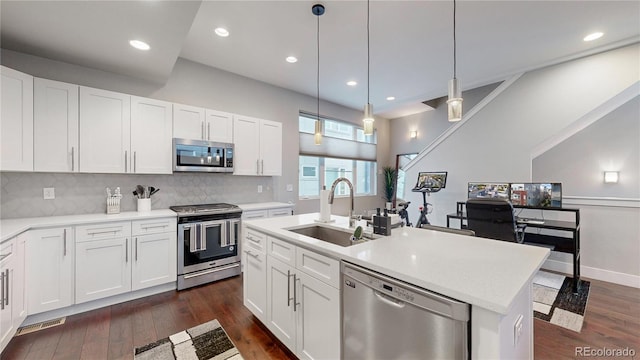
x,y
233,231
203,238
193,235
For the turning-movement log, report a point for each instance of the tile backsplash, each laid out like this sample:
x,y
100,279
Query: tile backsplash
x,y
22,193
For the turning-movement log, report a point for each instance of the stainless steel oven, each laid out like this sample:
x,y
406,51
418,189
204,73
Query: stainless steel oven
x,y
208,240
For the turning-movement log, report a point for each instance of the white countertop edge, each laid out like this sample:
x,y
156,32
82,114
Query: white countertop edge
x,y
265,206
12,227
500,303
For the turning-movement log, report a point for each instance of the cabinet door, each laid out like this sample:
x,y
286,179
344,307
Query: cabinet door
x,y
246,138
281,317
270,148
7,329
154,260
219,126
188,122
103,268
16,121
105,124
19,307
254,283
151,135
55,126
49,269
318,319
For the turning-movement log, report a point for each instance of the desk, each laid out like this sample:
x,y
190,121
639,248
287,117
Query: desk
x,y
567,244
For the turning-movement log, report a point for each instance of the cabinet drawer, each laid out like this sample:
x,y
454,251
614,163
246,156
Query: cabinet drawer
x,y
254,214
319,266
279,212
153,226
255,240
103,231
282,251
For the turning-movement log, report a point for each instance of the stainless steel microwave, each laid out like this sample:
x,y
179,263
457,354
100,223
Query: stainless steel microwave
x,y
202,156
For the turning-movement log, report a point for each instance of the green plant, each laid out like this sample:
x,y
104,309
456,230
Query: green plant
x,y
389,174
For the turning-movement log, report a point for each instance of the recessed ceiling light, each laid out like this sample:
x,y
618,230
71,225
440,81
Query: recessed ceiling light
x,y
222,32
594,36
292,59
140,45
391,98
352,83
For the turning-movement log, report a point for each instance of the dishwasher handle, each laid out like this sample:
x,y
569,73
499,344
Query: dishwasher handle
x,y
389,300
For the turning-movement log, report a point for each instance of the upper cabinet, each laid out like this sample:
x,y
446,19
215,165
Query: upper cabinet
x,y
151,134
258,146
105,124
16,121
190,122
55,126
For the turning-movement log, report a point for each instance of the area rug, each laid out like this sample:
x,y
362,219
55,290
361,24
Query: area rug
x,y
555,302
202,342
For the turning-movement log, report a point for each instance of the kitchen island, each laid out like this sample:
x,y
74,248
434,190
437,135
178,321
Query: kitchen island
x,y
494,277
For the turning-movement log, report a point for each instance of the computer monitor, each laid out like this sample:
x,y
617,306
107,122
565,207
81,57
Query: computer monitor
x,y
537,195
431,181
488,190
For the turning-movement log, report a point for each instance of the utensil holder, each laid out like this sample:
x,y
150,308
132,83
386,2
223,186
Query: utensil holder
x,y
113,204
144,205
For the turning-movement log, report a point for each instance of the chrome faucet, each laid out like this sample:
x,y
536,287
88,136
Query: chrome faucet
x,y
352,219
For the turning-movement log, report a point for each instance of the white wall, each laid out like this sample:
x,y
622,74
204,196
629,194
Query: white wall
x,y
195,84
496,144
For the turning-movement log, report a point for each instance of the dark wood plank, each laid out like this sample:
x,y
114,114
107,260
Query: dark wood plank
x,y
612,320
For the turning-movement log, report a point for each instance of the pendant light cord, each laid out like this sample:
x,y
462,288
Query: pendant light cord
x,y
368,55
318,71
454,39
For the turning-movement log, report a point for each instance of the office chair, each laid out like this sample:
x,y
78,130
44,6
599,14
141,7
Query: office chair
x,y
449,230
494,219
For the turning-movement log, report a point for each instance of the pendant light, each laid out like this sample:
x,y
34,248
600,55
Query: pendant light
x,y
318,10
368,109
454,103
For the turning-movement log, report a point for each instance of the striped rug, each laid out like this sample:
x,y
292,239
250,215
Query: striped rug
x,y
202,342
555,302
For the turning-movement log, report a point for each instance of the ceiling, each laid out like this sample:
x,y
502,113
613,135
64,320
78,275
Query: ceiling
x,y
411,42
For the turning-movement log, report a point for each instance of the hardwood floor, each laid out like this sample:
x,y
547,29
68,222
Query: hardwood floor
x,y
612,321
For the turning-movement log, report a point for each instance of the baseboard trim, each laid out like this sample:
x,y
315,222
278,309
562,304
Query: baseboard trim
x,y
594,273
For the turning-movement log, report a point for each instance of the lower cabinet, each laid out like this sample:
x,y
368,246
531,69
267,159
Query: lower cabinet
x,y
254,284
49,269
12,289
103,268
302,301
154,260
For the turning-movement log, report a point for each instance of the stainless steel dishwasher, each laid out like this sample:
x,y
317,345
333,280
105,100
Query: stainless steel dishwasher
x,y
383,318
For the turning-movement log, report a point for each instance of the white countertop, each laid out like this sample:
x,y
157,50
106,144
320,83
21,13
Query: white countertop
x,y
264,205
482,272
12,227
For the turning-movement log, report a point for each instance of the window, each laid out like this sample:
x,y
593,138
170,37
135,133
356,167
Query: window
x,y
345,152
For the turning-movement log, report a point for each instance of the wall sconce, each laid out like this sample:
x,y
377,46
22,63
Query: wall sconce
x,y
413,134
611,177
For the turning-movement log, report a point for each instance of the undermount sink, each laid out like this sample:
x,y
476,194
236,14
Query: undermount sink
x,y
330,235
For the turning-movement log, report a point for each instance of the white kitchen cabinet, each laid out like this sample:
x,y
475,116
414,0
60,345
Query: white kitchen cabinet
x,y
105,131
195,123
16,121
103,260
154,253
258,146
55,126
151,136
12,306
254,282
188,122
50,269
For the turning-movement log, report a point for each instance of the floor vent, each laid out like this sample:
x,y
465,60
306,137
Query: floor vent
x,y
40,326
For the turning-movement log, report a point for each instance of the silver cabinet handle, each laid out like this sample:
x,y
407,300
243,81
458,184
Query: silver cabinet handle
x,y
202,130
136,243
257,166
6,283
126,250
134,161
289,298
208,131
295,293
64,243
262,170
2,291
125,161
73,160
255,256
